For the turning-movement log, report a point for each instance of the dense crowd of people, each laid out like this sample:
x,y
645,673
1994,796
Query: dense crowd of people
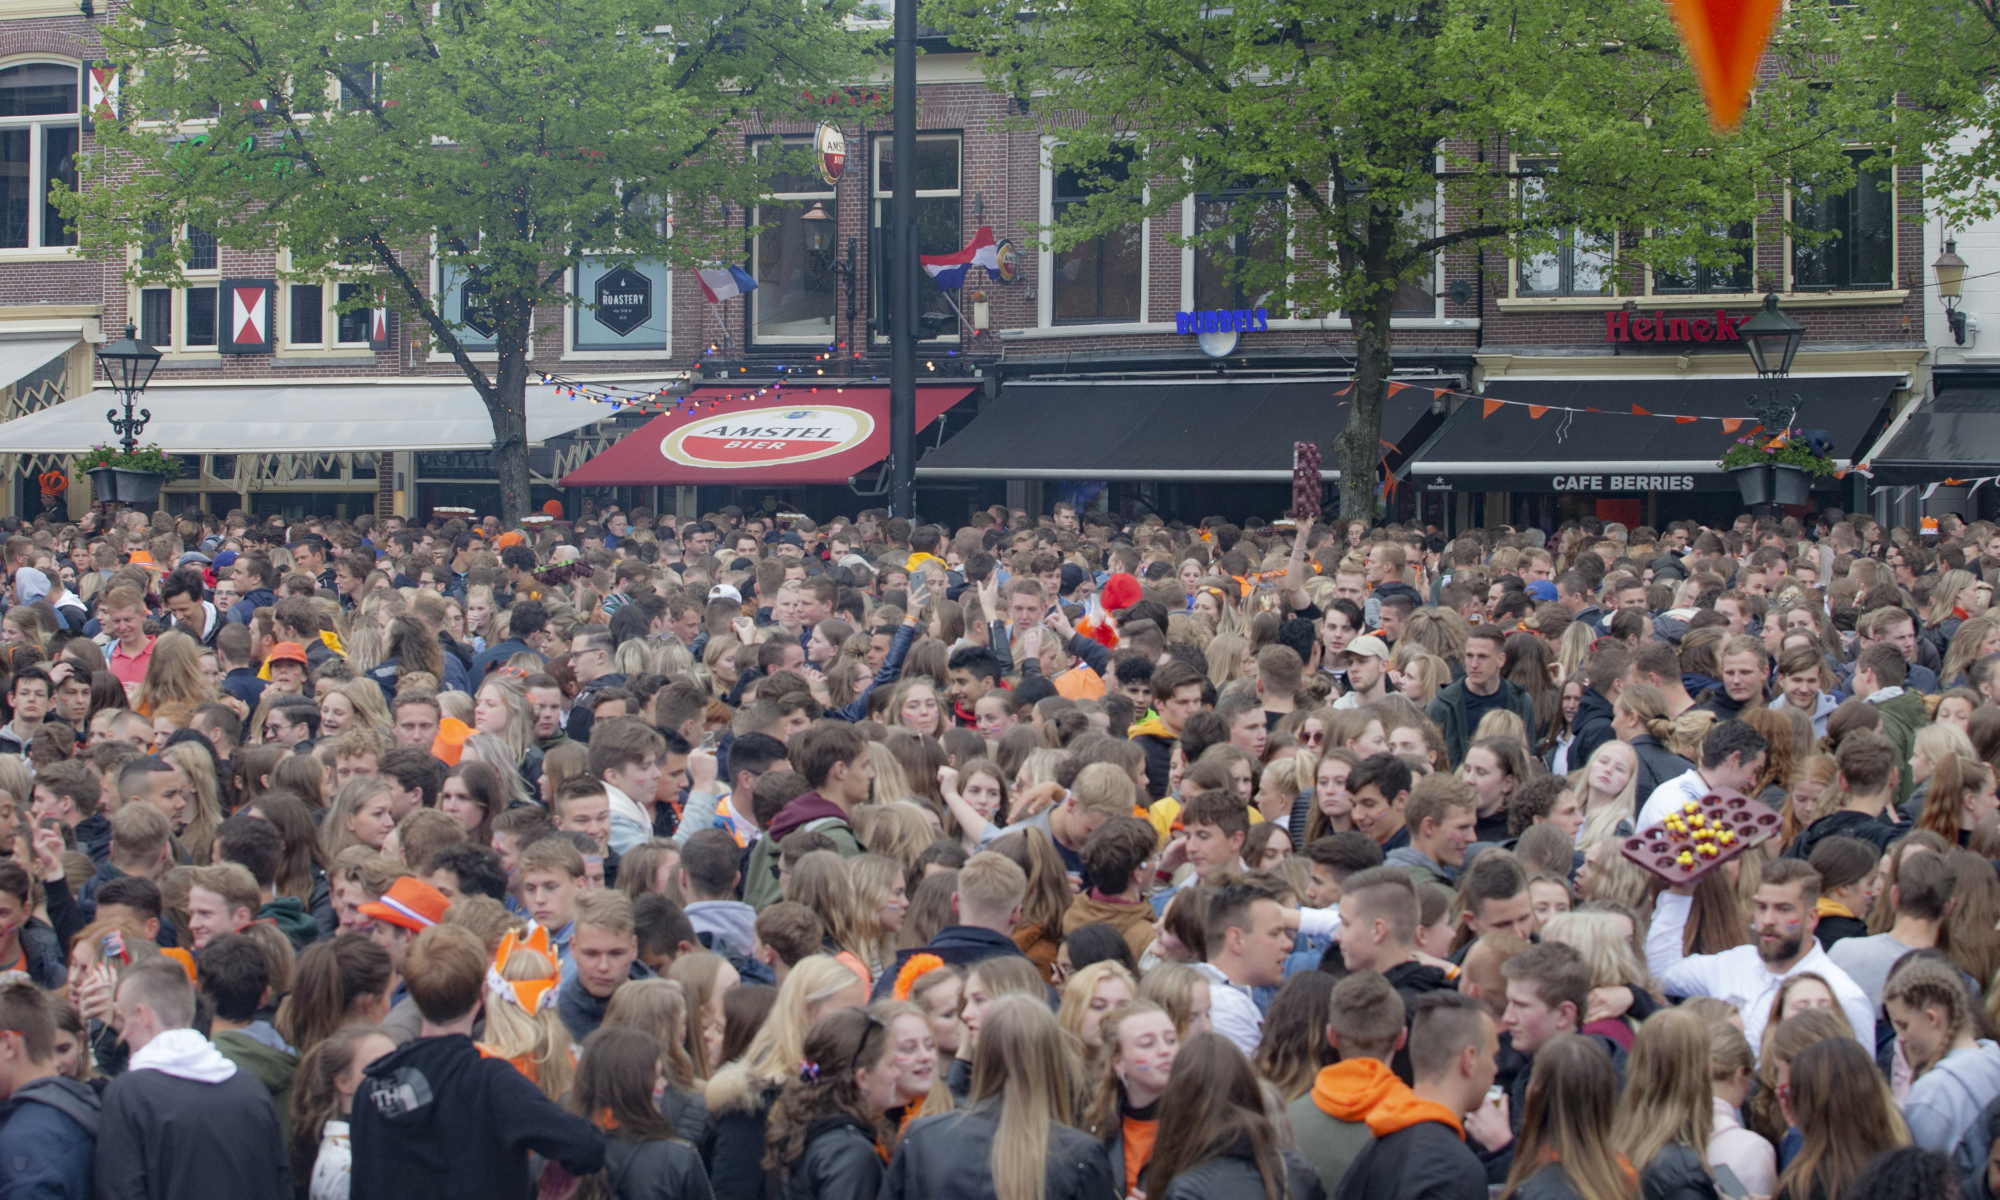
x,y
1048,858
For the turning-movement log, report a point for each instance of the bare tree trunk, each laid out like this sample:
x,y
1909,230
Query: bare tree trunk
x,y
1357,450
509,409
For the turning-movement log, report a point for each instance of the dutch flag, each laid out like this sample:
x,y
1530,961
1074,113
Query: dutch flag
x,y
720,283
948,270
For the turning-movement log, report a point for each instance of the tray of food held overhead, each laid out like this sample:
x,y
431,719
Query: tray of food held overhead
x,y
1701,835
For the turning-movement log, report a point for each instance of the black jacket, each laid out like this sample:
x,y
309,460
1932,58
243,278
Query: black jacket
x,y
580,716
840,1162
661,1170
1843,823
950,1157
1590,729
435,1119
1233,1175
1677,1173
957,945
1657,764
740,1106
42,955
165,1138
93,837
1426,1160
1549,1183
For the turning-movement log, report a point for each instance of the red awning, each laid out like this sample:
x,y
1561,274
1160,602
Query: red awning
x,y
825,433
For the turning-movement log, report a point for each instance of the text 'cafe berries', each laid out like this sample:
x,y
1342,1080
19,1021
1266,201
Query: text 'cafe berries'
x,y
1622,326
1622,483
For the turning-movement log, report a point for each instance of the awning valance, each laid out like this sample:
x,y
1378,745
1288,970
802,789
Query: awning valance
x,y
315,418
825,433
1955,435
1222,429
1516,448
17,358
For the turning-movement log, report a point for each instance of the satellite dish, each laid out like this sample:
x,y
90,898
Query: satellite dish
x,y
1218,345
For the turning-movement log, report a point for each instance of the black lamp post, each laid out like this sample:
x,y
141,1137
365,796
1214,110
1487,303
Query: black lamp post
x,y
1773,339
128,364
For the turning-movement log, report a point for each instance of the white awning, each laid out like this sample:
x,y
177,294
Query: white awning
x,y
322,418
19,358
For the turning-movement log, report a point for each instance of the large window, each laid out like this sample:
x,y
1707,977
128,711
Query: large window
x,y
181,318
1418,297
1733,276
792,259
1861,253
939,228
1580,265
38,145
312,316
1234,270
1097,281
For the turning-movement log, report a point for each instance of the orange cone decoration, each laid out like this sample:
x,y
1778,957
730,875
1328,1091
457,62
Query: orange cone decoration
x,y
1725,39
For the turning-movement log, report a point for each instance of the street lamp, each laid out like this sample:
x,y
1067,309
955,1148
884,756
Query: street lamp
x,y
128,364
819,228
1773,339
1950,270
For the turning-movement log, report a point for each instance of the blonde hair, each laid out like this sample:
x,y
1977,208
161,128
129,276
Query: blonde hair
x,y
173,675
1597,938
1601,817
874,878
774,1054
891,781
333,834
369,706
1667,1099
1080,991
1023,1065
199,765
540,1037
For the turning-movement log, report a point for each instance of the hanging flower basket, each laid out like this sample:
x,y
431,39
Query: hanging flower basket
x,y
1775,468
131,479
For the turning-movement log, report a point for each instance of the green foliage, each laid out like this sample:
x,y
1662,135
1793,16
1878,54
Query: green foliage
x,y
1763,450
142,458
509,137
1522,120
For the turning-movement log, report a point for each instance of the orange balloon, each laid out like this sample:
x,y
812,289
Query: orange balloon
x,y
1725,39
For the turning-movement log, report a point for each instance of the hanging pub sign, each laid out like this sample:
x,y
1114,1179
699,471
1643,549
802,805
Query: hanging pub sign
x,y
624,301
1217,330
247,307
1008,255
1623,326
829,153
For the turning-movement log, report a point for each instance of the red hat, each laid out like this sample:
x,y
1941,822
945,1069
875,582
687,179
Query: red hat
x,y
1120,591
410,903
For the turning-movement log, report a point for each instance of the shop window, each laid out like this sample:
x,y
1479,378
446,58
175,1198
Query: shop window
x,y
1859,251
181,318
38,147
1097,281
792,258
939,222
1581,262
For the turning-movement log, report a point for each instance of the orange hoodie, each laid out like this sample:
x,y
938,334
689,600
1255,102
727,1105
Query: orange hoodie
x,y
1351,1089
1399,1111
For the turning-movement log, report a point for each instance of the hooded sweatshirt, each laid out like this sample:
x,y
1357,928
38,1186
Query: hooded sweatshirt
x,y
816,812
1152,736
1946,1107
1419,1150
184,1122
258,1049
731,921
289,914
1423,865
1331,1120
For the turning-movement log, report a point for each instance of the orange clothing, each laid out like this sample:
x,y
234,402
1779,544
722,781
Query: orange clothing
x,y
1400,1110
1138,1138
1080,683
1354,1087
1040,946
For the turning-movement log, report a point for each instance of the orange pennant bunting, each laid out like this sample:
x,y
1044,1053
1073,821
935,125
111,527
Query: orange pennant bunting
x,y
1640,412
1587,408
1535,411
1684,420
1395,387
1732,424
1345,390
1491,407
1724,40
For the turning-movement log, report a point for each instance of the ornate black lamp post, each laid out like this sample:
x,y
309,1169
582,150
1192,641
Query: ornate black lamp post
x,y
1773,339
128,364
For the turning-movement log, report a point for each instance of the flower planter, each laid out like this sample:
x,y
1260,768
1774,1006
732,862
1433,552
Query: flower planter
x,y
1775,483
138,489
1754,483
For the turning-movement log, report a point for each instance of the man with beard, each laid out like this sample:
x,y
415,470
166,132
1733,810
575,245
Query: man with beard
x,y
1785,912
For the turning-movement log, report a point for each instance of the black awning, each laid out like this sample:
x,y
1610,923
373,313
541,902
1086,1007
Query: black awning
x,y
1615,450
1221,429
1956,435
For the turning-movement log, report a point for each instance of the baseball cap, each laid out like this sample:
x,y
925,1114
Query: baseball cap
x,y
410,903
226,559
788,538
1072,578
723,591
1367,646
1541,591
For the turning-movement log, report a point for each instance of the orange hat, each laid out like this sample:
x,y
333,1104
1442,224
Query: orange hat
x,y
450,740
283,652
410,903
510,538
142,558
553,508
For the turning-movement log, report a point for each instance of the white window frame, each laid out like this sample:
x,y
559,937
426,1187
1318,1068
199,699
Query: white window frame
x,y
1045,261
203,279
828,197
1514,259
575,311
877,197
36,250
329,344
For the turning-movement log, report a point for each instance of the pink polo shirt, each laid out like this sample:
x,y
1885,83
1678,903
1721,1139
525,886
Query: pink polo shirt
x,y
129,668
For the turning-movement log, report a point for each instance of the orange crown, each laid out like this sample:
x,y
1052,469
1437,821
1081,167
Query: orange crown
x,y
530,994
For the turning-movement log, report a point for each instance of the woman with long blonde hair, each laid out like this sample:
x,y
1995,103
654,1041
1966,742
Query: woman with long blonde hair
x,y
1088,994
1975,639
1607,790
880,900
920,1089
1811,781
1958,795
173,675
820,881
361,814
522,1024
1020,1107
1667,1109
1140,1046
501,707
365,709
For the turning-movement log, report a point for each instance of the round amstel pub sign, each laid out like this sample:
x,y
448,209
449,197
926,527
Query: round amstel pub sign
x,y
763,437
830,152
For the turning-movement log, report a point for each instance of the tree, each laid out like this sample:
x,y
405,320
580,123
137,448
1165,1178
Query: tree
x,y
1571,136
507,138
